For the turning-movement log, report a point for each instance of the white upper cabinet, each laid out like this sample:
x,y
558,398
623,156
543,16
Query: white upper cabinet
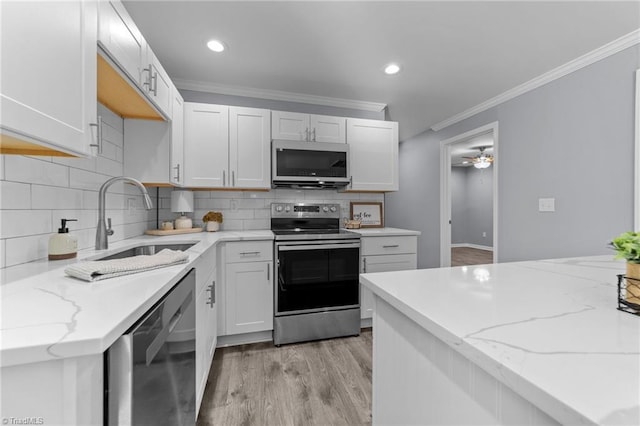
x,y
324,128
121,39
177,138
249,147
153,150
206,145
157,83
226,147
373,150
48,75
304,127
291,126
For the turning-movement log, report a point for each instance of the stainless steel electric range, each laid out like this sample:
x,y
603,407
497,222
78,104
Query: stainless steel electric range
x,y
317,293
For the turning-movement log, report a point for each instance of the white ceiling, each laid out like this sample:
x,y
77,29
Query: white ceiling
x,y
454,55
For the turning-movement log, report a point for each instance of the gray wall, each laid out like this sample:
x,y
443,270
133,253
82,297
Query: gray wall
x,y
215,98
571,139
472,206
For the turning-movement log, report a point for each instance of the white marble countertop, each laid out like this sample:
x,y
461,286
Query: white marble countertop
x,y
47,315
384,232
548,329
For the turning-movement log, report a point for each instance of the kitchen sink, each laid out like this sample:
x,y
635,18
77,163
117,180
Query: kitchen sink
x,y
145,249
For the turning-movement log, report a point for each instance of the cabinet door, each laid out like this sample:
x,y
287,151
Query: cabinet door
x,y
249,147
48,72
158,84
120,38
373,149
177,138
249,297
325,128
395,262
206,145
289,126
206,329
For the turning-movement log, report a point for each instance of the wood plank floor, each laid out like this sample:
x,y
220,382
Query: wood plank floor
x,y
461,256
317,383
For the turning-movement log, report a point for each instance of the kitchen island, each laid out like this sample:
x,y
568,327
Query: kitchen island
x,y
537,342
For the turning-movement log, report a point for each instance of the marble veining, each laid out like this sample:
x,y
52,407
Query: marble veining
x,y
70,325
548,329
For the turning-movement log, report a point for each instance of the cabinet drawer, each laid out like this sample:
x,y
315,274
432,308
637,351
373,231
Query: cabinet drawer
x,y
389,245
250,251
393,262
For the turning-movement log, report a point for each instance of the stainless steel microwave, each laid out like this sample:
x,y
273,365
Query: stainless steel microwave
x,y
313,165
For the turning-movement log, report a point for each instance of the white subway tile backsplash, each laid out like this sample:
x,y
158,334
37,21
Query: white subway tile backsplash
x,y
212,203
110,151
85,219
231,225
2,252
250,203
30,170
199,194
26,249
82,179
88,164
17,223
90,200
50,197
15,195
110,118
256,224
109,167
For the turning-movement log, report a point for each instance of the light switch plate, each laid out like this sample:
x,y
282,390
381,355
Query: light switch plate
x,y
546,204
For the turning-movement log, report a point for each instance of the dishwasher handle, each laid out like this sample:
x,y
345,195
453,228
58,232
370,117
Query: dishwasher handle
x,y
156,344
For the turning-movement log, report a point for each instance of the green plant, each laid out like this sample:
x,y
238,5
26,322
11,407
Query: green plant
x,y
213,217
627,246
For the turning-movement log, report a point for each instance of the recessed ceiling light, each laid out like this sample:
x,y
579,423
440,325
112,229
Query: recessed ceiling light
x,y
392,69
216,46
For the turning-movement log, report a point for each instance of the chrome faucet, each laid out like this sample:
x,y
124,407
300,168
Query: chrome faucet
x,y
102,231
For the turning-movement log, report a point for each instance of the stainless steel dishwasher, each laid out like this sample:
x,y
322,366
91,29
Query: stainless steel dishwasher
x,y
150,377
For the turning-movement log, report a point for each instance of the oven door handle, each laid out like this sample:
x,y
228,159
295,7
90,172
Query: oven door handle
x,y
318,247
280,277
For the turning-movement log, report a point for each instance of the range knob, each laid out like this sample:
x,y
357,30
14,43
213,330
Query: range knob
x,y
279,208
325,209
287,209
333,209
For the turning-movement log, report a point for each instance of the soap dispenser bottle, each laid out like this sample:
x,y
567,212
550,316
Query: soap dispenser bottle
x,y
63,245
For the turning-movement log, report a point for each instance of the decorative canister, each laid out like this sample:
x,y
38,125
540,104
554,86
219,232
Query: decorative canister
x,y
213,226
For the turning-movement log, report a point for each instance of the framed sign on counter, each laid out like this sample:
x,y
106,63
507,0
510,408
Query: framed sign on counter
x,y
369,213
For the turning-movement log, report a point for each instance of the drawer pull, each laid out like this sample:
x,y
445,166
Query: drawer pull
x,y
391,246
246,253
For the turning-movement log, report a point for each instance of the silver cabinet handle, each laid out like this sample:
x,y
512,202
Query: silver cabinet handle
x,y
98,127
155,84
306,134
391,246
224,178
233,178
177,177
148,82
364,268
212,294
268,272
314,134
246,253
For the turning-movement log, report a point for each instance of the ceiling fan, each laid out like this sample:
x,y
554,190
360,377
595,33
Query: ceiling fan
x,y
482,160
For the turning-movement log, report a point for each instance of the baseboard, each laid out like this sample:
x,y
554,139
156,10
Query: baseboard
x,y
245,338
366,323
475,246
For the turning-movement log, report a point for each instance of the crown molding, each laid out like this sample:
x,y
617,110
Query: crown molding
x,y
278,95
594,56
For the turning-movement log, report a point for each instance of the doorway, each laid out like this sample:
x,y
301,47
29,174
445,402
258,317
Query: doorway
x,y
469,197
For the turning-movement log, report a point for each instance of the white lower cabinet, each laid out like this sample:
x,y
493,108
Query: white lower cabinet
x,y
248,287
206,320
384,254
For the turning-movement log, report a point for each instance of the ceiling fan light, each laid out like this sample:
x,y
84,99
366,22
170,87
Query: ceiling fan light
x,y
482,163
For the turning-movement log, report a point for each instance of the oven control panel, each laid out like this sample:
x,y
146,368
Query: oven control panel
x,y
305,210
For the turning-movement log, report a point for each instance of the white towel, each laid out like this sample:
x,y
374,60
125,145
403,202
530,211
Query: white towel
x,y
96,270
